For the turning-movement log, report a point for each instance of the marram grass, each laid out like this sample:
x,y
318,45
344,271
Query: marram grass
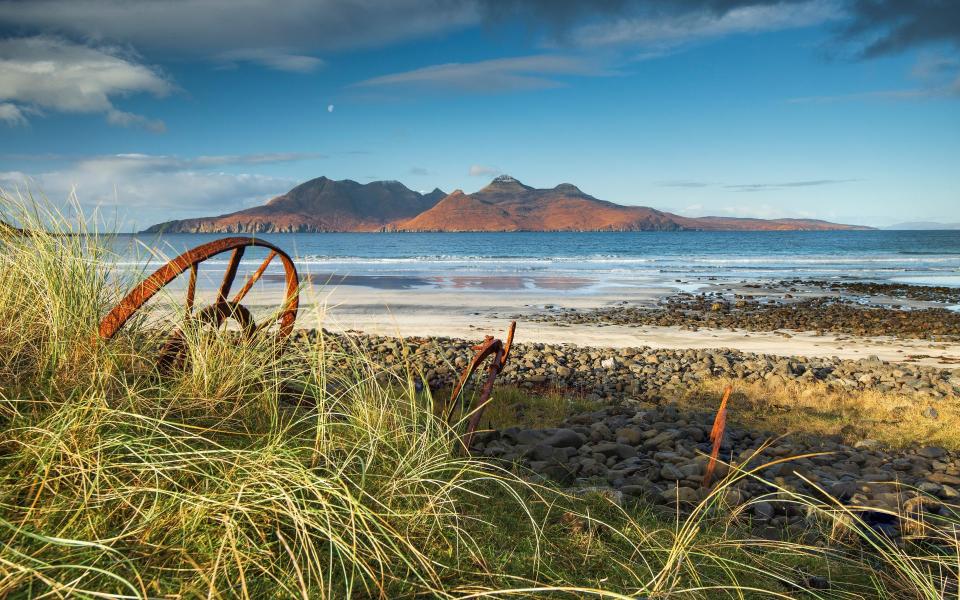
x,y
241,475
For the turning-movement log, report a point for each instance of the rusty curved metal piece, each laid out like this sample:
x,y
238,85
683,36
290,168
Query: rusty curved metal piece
x,y
716,436
498,352
222,309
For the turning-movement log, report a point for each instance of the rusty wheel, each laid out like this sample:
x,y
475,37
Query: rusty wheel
x,y
222,309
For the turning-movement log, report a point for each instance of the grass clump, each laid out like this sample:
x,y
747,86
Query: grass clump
x,y
118,479
53,291
540,409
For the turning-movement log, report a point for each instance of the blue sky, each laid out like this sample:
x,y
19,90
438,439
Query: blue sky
x,y
847,110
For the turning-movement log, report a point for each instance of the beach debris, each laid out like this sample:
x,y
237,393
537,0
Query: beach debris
x,y
222,309
498,352
716,436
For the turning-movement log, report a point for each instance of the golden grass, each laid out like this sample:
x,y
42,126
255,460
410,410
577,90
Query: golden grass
x,y
512,406
816,410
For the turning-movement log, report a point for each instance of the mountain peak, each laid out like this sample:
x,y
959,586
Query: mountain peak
x,y
568,188
505,184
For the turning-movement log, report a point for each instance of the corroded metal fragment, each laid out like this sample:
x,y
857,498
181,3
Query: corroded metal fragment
x,y
498,352
716,436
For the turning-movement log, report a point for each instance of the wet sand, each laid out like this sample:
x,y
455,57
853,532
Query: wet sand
x,y
471,314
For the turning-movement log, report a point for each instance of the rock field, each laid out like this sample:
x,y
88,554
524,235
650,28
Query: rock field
x,y
640,446
825,314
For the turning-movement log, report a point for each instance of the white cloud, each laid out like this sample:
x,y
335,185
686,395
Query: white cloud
x,y
126,119
938,77
143,189
483,171
11,114
44,73
667,30
521,72
683,183
649,34
278,59
782,185
275,34
752,211
948,90
112,163
753,187
933,67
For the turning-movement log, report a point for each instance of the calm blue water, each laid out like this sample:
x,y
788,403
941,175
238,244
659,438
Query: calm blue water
x,y
602,259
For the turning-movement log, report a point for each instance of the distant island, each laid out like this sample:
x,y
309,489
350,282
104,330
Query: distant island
x,y
506,204
924,226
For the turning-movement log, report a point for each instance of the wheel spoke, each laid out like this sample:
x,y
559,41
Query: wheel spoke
x,y
231,274
253,278
192,288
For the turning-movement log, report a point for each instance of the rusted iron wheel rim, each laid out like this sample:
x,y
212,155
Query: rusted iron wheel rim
x,y
222,308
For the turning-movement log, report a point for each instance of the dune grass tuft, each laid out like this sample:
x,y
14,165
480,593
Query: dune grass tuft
x,y
231,475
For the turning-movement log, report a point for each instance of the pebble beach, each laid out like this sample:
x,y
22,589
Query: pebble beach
x,y
638,441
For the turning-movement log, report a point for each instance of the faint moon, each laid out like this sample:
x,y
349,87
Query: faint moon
x,y
329,108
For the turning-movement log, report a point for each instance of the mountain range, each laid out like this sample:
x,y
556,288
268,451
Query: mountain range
x,y
506,204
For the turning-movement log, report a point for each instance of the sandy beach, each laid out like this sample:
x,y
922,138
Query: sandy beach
x,y
487,307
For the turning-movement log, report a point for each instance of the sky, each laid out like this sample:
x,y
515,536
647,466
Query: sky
x,y
846,110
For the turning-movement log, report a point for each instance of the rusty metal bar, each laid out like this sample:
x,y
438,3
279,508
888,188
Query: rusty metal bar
x,y
483,350
192,288
254,278
230,274
509,344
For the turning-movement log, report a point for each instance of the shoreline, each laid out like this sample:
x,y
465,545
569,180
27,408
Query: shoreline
x,y
799,344
847,318
548,319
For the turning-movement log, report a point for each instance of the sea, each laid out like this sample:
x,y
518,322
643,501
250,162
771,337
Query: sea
x,y
582,263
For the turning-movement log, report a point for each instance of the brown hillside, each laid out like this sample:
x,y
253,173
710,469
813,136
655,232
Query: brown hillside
x,y
508,205
318,205
504,205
